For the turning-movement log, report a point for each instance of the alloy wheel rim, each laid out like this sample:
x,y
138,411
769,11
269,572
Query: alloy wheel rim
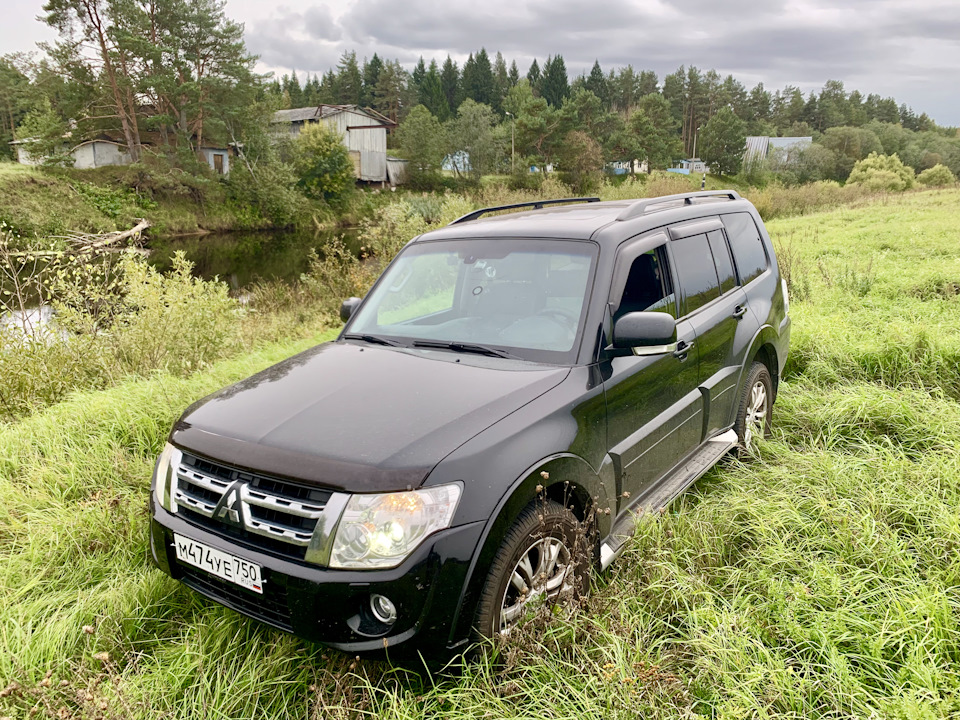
x,y
756,419
543,573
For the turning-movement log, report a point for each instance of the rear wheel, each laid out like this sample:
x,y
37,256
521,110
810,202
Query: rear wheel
x,y
755,414
541,561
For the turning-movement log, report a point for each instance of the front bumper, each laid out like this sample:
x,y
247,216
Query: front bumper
x,y
333,606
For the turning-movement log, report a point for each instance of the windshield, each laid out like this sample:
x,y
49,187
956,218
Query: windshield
x,y
525,297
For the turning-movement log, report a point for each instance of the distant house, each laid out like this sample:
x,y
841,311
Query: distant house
x,y
759,147
622,167
105,150
691,165
364,133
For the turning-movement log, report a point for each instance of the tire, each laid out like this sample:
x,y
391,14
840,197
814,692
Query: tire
x,y
755,412
545,536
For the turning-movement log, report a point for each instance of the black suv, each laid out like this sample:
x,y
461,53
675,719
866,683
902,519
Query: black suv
x,y
507,382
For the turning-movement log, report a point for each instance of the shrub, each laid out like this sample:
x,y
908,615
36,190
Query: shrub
x,y
882,172
937,176
582,160
322,163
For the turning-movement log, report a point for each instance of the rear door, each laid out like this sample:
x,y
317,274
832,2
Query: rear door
x,y
716,306
653,402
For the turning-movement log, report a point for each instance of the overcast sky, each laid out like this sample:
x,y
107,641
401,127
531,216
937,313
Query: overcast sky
x,y
909,49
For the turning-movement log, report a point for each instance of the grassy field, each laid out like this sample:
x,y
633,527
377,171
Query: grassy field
x,y
821,580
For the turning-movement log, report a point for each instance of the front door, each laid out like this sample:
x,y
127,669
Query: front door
x,y
654,407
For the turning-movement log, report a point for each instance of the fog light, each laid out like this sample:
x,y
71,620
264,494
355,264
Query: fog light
x,y
383,609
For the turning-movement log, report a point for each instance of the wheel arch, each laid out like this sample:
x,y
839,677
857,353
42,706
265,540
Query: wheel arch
x,y
565,478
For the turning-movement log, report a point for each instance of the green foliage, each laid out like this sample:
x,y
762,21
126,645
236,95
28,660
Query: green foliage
x,y
472,132
270,193
113,202
322,163
45,138
581,159
723,141
423,141
882,172
937,176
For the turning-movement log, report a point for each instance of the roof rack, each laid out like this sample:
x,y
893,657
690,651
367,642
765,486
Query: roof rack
x,y
640,206
535,204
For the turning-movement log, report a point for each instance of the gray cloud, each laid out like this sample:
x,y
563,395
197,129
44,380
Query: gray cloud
x,y
888,47
907,49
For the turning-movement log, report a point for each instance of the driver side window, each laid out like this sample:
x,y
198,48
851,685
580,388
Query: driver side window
x,y
648,287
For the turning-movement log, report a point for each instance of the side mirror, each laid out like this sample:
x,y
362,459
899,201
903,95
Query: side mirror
x,y
646,333
348,308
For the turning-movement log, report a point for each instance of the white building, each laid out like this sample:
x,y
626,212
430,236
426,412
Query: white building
x,y
364,133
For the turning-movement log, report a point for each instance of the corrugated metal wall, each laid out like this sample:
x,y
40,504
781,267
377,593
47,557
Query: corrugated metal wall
x,y
371,144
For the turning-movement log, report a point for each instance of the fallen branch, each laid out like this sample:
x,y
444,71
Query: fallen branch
x,y
84,241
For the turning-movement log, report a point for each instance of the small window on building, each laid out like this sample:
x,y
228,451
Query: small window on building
x,y
747,246
695,271
649,287
721,257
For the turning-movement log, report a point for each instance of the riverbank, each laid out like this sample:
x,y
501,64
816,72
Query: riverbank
x,y
36,202
819,580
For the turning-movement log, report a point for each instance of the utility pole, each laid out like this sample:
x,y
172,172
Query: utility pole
x,y
513,127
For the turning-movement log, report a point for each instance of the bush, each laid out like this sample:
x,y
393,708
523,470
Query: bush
x,y
882,172
322,164
937,176
113,316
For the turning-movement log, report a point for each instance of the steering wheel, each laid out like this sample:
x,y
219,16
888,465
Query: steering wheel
x,y
568,318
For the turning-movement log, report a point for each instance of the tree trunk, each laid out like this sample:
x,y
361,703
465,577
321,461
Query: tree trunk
x,y
133,144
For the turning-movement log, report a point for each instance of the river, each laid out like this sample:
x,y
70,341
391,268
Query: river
x,y
239,259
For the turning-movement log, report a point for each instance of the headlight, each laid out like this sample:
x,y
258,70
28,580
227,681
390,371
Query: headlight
x,y
166,475
379,531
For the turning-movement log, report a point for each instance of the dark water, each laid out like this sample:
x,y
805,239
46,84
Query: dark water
x,y
240,259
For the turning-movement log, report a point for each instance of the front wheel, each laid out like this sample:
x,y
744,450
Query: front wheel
x,y
541,561
755,414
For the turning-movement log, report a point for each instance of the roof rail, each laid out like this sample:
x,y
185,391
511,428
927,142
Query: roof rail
x,y
535,204
640,206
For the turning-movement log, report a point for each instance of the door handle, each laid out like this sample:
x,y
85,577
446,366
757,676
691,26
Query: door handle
x,y
682,349
739,311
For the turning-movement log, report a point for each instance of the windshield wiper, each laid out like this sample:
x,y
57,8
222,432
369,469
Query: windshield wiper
x,y
465,348
374,339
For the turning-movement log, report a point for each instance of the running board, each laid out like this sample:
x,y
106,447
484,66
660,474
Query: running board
x,y
666,492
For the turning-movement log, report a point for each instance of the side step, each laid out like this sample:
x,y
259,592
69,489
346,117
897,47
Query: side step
x,y
665,493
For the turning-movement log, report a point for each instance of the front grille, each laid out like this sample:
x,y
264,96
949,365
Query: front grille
x,y
271,607
262,512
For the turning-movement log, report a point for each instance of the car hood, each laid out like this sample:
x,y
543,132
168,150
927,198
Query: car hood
x,y
359,418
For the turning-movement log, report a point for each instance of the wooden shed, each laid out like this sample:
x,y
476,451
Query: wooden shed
x,y
364,132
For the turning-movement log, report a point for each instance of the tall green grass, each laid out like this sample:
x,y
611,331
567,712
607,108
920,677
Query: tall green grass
x,y
818,580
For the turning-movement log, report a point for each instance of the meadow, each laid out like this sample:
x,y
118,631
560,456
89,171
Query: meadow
x,y
820,579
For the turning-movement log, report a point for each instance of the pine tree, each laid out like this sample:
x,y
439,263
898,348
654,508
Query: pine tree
x,y
596,82
450,81
349,80
514,75
430,93
501,83
534,76
371,76
555,86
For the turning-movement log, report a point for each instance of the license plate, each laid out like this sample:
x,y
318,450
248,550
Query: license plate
x,y
228,567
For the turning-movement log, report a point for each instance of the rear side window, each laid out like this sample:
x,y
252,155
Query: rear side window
x,y
721,256
746,244
695,270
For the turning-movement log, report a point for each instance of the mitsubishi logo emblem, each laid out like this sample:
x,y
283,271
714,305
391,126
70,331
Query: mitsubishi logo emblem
x,y
229,506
